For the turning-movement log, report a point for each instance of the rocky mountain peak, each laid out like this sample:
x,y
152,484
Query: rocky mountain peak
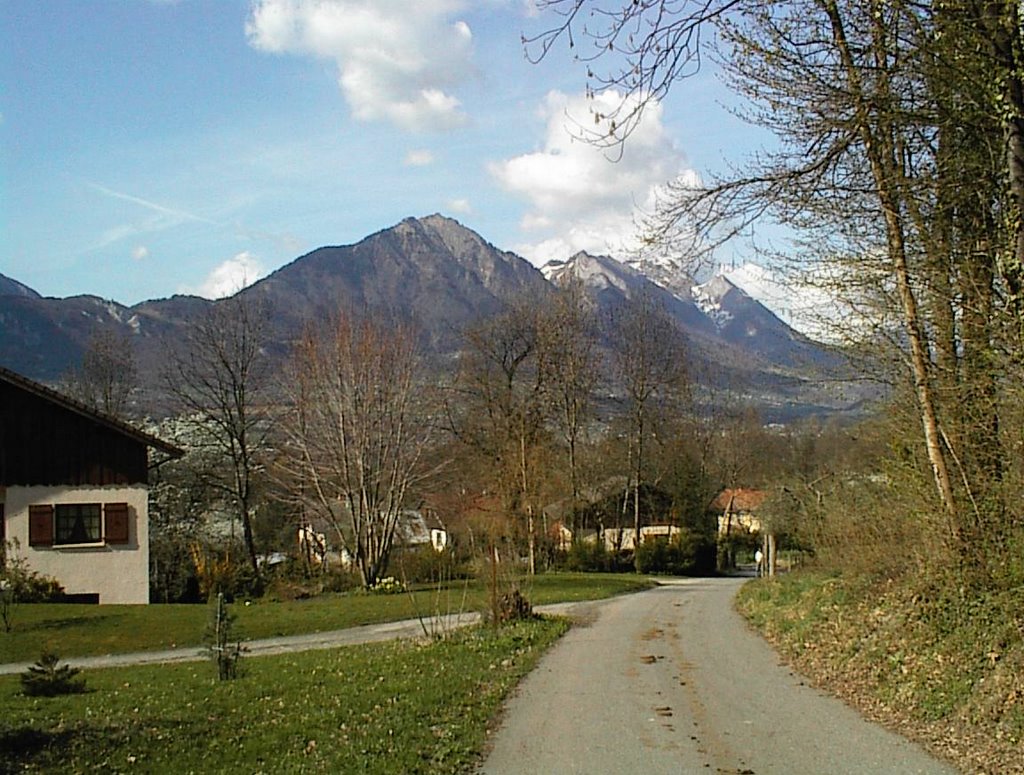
x,y
11,287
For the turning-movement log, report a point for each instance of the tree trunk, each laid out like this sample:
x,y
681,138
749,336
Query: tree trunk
x,y
880,151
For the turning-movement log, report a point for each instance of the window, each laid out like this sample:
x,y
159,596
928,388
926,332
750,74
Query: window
x,y
77,523
73,524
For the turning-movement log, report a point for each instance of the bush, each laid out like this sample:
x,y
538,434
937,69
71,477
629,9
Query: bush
x,y
219,570
425,565
47,678
688,553
512,607
593,557
21,584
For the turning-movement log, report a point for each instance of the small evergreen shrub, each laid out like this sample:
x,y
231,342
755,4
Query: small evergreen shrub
x,y
48,678
223,645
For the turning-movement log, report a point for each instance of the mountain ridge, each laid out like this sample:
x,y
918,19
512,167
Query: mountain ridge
x,y
432,272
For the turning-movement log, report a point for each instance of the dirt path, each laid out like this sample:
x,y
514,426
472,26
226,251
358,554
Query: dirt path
x,y
672,681
370,633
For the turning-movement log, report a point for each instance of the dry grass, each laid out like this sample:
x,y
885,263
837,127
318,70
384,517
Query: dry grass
x,y
947,673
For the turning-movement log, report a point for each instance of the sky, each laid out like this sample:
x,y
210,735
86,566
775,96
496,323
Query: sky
x,y
155,147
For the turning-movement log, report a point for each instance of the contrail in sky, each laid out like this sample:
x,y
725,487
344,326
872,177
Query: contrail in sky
x,y
158,208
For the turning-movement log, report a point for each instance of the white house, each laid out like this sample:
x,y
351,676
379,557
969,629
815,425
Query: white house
x,y
737,508
73,492
417,528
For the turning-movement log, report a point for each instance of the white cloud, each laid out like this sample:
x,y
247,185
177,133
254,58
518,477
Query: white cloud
x,y
139,252
419,158
582,197
397,61
460,206
229,277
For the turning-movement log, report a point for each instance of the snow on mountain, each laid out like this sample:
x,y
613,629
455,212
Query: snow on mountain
x,y
597,272
664,270
793,299
611,282
709,297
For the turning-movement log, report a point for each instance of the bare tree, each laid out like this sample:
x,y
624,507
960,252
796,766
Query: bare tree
x,y
107,375
900,129
568,340
645,46
649,357
359,427
220,382
500,405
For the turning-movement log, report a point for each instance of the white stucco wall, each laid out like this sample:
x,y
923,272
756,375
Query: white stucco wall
x,y
119,573
628,539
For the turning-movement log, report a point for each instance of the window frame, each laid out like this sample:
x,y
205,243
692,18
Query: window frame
x,y
51,525
69,537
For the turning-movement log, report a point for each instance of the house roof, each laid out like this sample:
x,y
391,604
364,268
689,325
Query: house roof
x,y
738,499
79,408
414,526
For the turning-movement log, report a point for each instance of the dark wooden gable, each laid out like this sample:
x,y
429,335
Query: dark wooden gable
x,y
46,439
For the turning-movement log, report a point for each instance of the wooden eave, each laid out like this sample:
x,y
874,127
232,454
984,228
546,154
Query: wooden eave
x,y
77,407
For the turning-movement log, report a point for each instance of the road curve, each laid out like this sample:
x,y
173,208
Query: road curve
x,y
672,681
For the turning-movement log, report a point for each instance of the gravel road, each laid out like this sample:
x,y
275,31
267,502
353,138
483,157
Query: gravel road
x,y
672,681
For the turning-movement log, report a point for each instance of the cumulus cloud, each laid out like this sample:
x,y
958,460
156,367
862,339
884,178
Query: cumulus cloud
x,y
460,206
397,61
139,252
579,197
229,277
419,158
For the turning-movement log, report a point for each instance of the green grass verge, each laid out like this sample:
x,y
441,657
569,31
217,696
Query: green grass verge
x,y
400,707
76,630
950,666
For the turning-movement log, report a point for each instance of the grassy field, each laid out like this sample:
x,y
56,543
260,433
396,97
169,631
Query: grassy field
x,y
400,707
76,630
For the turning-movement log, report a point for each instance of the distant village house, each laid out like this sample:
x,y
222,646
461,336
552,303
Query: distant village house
x,y
736,509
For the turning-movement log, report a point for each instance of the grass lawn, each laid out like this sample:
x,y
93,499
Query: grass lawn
x,y
400,707
77,630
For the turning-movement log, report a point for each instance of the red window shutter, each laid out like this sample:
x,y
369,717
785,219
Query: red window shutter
x,y
116,526
40,525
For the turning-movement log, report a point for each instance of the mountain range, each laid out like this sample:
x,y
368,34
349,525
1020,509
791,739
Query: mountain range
x,y
442,276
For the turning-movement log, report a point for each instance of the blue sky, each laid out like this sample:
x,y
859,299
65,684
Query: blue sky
x,y
153,147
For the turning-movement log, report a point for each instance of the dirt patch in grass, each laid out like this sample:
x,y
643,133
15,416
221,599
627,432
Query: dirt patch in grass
x,y
948,673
